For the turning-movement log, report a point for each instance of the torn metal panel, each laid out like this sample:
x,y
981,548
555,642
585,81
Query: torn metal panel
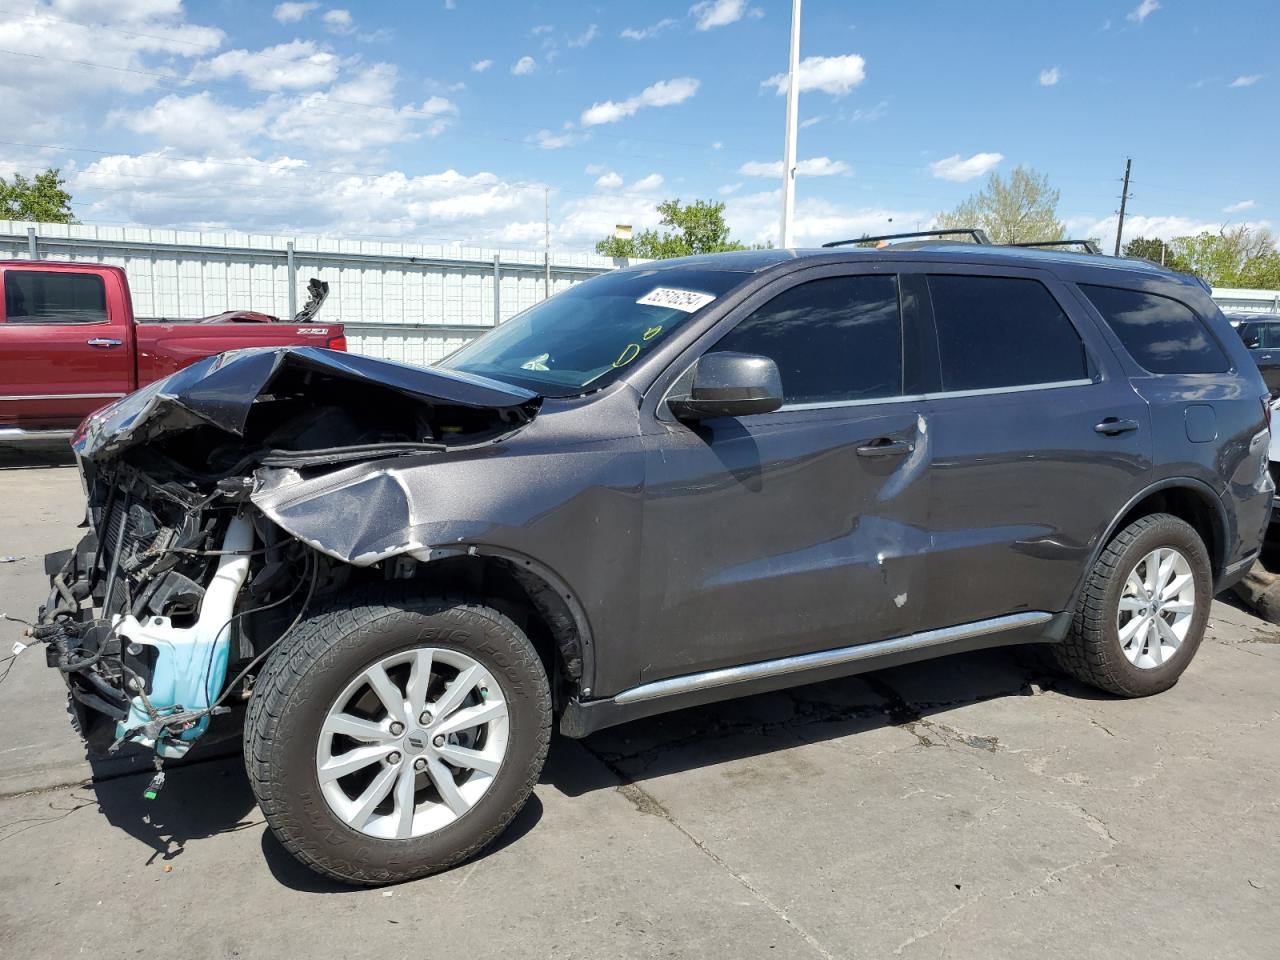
x,y
221,392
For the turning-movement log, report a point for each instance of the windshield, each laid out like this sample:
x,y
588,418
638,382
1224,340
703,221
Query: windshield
x,y
588,335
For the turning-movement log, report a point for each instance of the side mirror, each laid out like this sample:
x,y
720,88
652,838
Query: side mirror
x,y
730,385
1252,341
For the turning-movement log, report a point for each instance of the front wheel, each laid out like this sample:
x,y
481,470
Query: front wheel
x,y
1143,610
395,735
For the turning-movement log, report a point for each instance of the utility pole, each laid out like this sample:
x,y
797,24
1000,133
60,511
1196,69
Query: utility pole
x,y
1124,196
546,254
793,119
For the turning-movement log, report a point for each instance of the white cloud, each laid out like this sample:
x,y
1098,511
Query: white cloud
x,y
609,181
647,33
480,66
296,65
338,21
664,93
959,169
194,124
1050,77
328,121
647,184
551,141
1248,80
1163,227
729,188
523,66
719,13
280,195
753,218
43,82
834,75
814,167
811,122
293,12
1143,10
585,37
1238,207
541,29
595,168
869,114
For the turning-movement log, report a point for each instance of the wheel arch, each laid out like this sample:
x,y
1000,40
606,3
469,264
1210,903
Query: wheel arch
x,y
536,598
1186,498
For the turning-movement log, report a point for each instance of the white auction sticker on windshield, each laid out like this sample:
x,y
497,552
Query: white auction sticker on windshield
x,y
676,299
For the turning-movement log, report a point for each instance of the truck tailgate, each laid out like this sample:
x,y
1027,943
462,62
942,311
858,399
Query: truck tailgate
x,y
166,347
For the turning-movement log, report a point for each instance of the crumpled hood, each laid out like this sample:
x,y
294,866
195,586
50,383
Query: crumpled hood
x,y
220,391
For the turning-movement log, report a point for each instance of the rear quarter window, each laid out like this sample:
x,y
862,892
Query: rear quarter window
x,y
1162,334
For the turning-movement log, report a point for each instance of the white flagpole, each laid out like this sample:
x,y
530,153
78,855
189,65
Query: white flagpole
x,y
793,110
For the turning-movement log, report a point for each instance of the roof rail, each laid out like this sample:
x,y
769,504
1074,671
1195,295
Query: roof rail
x,y
978,235
1089,246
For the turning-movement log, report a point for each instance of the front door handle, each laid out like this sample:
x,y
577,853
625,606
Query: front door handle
x,y
106,342
1112,426
884,447
1265,356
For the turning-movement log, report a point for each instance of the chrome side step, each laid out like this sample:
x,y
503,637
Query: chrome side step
x,y
17,436
692,682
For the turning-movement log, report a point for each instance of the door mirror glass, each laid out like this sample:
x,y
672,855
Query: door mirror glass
x,y
729,384
1251,338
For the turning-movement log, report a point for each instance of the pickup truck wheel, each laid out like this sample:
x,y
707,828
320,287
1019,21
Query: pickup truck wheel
x,y
1143,610
396,734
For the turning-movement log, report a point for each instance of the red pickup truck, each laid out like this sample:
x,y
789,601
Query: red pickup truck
x,y
69,343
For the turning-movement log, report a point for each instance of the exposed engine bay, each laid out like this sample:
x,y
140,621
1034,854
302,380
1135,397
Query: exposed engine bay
x,y
161,615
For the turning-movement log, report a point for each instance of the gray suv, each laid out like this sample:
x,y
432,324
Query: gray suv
x,y
676,483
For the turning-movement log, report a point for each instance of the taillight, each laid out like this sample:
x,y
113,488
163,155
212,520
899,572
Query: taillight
x,y
340,343
1266,410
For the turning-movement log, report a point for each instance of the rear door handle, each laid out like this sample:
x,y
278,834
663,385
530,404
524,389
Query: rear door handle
x,y
1112,426
104,342
884,447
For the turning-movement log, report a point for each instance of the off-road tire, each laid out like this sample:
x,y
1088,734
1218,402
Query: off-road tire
x,y
1091,651
325,652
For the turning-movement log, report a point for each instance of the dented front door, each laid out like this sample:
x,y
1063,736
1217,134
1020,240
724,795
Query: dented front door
x,y
802,529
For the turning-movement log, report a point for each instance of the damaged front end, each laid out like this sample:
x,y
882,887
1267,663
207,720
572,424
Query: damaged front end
x,y
181,582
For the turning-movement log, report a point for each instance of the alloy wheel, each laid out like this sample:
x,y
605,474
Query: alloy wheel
x,y
1156,608
412,743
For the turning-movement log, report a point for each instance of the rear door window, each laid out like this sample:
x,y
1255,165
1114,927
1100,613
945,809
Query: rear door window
x,y
834,340
1270,335
996,332
32,296
1162,334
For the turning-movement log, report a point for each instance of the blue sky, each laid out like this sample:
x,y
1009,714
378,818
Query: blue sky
x,y
447,119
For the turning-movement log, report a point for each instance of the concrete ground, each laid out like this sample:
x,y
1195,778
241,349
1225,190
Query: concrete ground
x,y
971,807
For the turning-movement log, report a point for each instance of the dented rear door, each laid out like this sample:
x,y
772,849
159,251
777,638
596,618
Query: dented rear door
x,y
802,529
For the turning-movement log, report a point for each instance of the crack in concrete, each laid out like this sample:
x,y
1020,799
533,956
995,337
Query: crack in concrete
x,y
647,803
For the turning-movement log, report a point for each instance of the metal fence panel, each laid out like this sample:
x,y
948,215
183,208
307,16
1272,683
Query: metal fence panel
x,y
405,301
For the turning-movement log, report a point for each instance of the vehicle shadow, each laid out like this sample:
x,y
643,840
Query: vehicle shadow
x,y
199,800
205,798
36,456
909,696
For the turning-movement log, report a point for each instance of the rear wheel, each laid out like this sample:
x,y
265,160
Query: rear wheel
x,y
396,735
1143,611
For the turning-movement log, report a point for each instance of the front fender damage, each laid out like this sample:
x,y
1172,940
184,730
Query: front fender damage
x,y
221,499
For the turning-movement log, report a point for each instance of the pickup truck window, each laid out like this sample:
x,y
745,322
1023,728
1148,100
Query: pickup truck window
x,y
32,296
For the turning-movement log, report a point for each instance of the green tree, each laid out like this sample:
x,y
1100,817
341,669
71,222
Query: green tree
x,y
43,199
1233,257
1157,252
1022,209
699,228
